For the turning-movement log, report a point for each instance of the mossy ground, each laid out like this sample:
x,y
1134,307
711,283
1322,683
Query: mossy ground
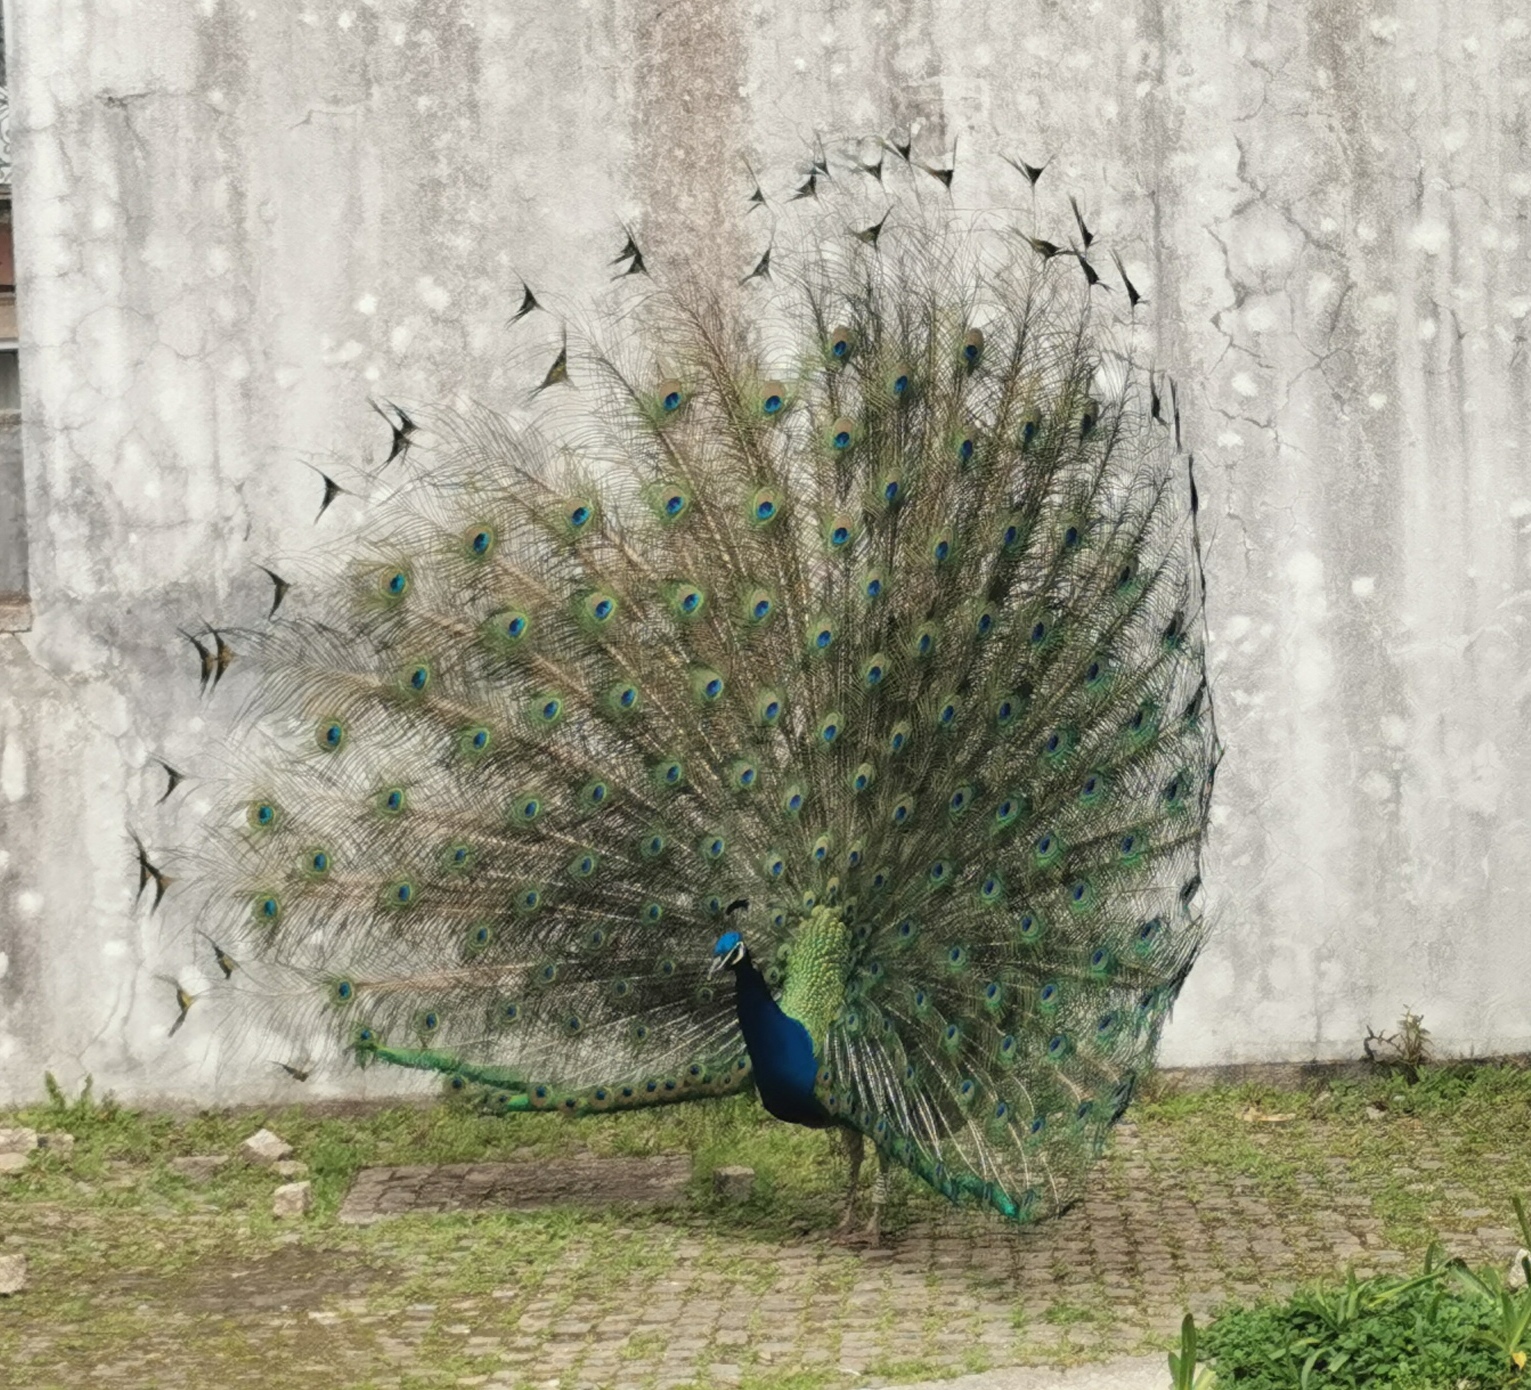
x,y
139,1277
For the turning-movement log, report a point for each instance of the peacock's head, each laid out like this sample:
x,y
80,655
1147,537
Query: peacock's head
x,y
729,950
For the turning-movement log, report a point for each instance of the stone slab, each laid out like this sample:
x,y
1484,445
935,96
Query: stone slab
x,y
589,1180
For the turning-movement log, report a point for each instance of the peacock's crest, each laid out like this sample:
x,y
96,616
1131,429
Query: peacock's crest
x,y
851,614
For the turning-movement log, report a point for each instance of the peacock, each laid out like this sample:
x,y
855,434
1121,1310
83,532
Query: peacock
x,y
802,690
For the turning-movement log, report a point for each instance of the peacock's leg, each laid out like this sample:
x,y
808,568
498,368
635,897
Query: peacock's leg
x,y
879,1200
855,1151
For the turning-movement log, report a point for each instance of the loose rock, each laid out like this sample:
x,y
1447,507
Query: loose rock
x,y
13,1274
57,1142
198,1167
265,1148
1517,1276
17,1141
734,1183
292,1199
12,1163
290,1168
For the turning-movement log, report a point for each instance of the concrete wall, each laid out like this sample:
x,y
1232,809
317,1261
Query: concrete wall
x,y
234,222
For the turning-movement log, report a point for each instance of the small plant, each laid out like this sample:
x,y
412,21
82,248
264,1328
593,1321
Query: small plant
x,y
1183,1372
1510,1333
74,1114
1465,1330
1408,1049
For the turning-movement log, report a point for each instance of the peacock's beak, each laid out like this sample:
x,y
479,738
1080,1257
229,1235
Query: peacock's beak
x,y
717,965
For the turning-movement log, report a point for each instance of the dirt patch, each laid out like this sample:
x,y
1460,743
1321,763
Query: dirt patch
x,y
295,1278
589,1180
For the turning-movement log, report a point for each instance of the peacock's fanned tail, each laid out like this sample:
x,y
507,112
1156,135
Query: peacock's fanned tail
x,y
870,588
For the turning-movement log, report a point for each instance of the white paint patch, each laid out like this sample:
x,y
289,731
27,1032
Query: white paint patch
x,y
1230,439
1260,318
1427,330
1385,28
1453,140
1485,789
1429,236
28,903
1244,384
345,19
1238,627
1394,729
398,340
367,304
1321,288
1520,507
1377,786
1363,585
1519,306
13,770
5,964
372,373
1310,662
1376,400
114,950
432,293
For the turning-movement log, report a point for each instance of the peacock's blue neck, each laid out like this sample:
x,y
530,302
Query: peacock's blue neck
x,y
781,1052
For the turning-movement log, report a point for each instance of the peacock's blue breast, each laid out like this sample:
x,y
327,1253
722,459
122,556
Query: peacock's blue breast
x,y
781,1054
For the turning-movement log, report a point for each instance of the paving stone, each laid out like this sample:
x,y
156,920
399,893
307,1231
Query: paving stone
x,y
13,1274
586,1180
12,1162
17,1141
264,1148
198,1168
58,1142
292,1199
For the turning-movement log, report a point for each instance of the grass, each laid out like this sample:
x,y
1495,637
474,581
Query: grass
x,y
124,1253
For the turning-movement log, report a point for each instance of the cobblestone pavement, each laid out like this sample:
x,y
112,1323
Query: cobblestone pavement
x,y
665,1298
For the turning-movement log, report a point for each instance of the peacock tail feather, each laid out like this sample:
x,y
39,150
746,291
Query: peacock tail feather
x,y
865,596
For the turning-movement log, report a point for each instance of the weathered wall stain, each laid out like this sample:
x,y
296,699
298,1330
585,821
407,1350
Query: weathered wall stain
x,y
232,229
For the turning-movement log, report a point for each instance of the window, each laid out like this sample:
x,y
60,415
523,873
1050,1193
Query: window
x,y
15,610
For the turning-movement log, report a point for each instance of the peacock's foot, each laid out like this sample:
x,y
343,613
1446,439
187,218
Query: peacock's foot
x,y
874,1230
